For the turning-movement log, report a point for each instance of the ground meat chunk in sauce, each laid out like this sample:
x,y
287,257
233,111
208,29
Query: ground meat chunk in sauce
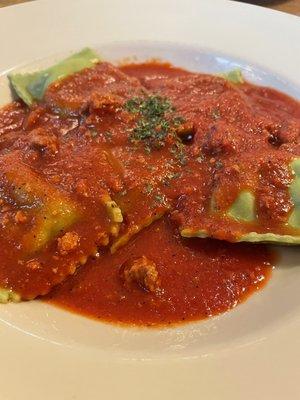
x,y
143,272
20,217
274,200
68,242
104,84
42,140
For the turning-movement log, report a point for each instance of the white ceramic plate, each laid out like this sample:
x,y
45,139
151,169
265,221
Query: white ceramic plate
x,y
251,352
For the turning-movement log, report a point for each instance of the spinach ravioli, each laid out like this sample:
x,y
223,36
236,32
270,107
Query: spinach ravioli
x,y
94,156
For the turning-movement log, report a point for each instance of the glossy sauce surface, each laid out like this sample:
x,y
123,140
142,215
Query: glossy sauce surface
x,y
160,142
245,137
199,278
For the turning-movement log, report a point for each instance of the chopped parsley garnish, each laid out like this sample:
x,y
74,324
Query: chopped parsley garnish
x,y
108,135
160,199
179,153
167,179
178,120
147,149
155,122
148,188
172,175
94,133
218,164
149,107
200,158
215,114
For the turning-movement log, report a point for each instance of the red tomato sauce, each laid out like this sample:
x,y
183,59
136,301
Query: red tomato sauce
x,y
245,136
160,142
199,278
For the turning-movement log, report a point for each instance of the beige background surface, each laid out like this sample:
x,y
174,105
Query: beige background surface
x,y
290,6
4,3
